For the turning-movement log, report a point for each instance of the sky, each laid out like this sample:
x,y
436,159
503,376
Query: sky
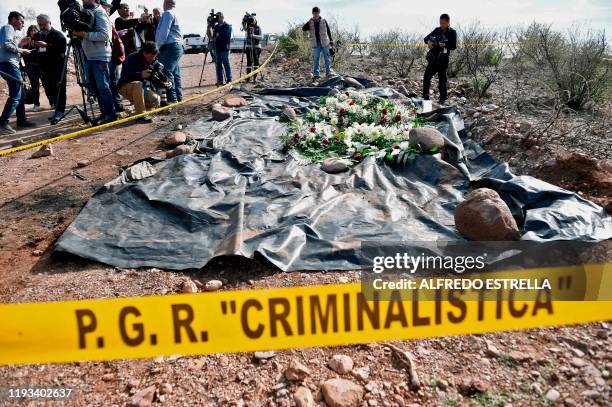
x,y
371,16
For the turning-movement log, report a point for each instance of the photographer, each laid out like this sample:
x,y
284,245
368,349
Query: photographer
x,y
51,46
253,46
127,28
222,36
321,41
440,43
98,51
170,42
137,69
10,55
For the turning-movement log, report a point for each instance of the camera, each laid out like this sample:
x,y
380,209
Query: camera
x,y
74,17
248,20
158,81
211,20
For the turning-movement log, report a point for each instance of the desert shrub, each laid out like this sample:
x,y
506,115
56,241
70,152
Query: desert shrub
x,y
344,38
397,49
481,52
295,43
574,64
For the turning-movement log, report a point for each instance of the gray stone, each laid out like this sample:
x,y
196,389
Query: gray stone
x,y
352,83
234,101
143,398
220,113
289,113
140,171
427,138
334,166
213,285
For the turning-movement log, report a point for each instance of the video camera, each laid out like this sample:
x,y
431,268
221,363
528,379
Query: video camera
x,y
74,17
211,20
248,20
159,81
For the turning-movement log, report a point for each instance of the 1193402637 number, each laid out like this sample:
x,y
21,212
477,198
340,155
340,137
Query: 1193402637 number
x,y
13,393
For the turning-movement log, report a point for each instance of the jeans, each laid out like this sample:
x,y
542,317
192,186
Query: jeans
x,y
115,74
16,97
317,51
437,67
99,73
33,72
170,56
221,64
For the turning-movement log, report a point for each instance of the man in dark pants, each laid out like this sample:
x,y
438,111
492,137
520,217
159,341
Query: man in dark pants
x,y
222,37
440,43
253,48
51,53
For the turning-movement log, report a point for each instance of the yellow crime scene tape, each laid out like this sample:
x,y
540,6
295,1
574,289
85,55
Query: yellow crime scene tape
x,y
423,45
284,318
88,130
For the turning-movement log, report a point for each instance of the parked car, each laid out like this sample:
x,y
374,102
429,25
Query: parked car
x,y
194,43
237,44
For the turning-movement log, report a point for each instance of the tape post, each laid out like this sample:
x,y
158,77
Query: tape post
x,y
251,320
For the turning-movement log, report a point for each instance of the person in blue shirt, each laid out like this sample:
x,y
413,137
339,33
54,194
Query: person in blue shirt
x,y
170,42
10,55
222,37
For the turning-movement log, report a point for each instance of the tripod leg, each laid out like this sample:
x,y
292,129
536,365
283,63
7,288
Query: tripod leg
x,y
203,66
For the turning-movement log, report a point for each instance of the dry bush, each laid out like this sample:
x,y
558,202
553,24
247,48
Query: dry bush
x,y
344,38
399,50
482,53
574,64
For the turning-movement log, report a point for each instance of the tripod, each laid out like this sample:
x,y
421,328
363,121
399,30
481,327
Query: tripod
x,y
204,64
252,50
87,114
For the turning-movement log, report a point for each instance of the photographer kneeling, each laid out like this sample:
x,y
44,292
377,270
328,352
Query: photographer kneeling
x,y
139,75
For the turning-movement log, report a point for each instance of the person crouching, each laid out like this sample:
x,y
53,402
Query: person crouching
x,y
137,69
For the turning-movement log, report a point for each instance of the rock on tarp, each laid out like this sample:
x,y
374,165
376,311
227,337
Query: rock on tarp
x,y
239,194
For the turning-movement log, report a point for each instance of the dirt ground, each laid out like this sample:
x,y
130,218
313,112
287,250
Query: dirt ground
x,y
39,198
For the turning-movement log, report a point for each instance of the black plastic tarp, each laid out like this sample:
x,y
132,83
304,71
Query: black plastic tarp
x,y
239,194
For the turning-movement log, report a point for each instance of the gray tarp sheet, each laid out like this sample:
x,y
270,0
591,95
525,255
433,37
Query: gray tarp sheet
x,y
239,194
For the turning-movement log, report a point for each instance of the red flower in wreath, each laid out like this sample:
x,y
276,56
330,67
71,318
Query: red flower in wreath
x,y
384,111
342,110
357,156
325,142
398,117
313,129
346,93
383,120
296,135
337,138
352,103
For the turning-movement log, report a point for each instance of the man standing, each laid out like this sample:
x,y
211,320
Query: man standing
x,y
170,42
321,41
222,36
253,48
10,54
440,43
98,51
51,55
117,57
127,28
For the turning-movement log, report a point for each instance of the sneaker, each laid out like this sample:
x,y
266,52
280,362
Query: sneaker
x,y
6,129
219,84
56,117
145,120
105,120
36,108
26,124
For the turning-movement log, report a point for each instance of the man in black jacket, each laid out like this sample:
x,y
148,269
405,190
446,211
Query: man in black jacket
x,y
137,69
128,27
51,45
440,43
